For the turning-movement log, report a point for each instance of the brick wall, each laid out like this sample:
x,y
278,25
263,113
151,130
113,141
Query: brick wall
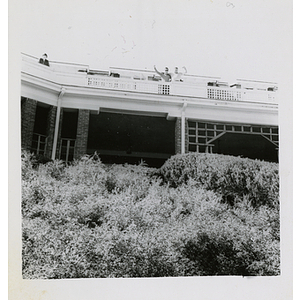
x,y
82,133
186,136
28,109
178,136
50,130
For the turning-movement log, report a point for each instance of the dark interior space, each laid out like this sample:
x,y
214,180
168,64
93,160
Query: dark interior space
x,y
246,145
41,120
69,124
124,138
132,160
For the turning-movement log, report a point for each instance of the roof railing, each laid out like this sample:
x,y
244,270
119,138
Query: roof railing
x,y
146,81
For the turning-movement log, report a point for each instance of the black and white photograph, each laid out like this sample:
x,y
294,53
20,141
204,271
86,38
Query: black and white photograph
x,y
152,148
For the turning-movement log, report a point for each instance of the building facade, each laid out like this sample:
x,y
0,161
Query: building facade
x,y
128,115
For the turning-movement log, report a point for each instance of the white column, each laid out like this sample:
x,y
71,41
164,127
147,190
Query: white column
x,y
183,128
61,94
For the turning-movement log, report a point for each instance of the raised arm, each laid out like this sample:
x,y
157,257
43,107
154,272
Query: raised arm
x,y
166,77
159,73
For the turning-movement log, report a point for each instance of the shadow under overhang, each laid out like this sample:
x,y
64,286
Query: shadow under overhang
x,y
134,112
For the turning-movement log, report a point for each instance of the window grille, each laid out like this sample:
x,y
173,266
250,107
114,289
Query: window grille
x,y
221,94
67,149
164,89
202,135
39,143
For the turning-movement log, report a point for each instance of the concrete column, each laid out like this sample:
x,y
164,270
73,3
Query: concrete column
x,y
59,131
59,100
28,110
82,133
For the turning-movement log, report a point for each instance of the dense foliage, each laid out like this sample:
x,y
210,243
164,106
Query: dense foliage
x,y
232,177
198,215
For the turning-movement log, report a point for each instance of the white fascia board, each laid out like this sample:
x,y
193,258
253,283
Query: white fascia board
x,y
233,116
91,103
42,95
38,83
197,108
97,93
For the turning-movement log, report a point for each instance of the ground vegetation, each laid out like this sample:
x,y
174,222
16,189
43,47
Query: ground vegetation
x,y
197,215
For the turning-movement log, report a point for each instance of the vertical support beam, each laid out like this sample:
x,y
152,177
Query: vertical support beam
x,y
58,147
59,100
68,150
183,128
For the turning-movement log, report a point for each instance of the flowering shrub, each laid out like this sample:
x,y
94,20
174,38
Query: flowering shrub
x,y
89,220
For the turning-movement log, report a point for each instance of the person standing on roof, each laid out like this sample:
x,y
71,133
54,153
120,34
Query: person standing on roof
x,y
177,76
44,60
166,76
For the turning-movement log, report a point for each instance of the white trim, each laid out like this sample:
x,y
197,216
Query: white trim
x,y
59,100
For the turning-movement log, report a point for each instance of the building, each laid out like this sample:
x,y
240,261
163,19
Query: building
x,y
68,110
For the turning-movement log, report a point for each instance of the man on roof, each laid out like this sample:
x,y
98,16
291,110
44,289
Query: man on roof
x,y
166,76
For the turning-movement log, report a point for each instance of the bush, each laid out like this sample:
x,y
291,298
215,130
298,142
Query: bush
x,y
231,177
88,170
27,165
228,243
88,220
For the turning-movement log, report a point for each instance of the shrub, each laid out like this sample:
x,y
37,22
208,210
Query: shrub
x,y
88,170
90,220
27,165
40,159
230,245
232,177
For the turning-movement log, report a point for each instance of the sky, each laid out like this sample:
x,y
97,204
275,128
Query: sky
x,y
246,39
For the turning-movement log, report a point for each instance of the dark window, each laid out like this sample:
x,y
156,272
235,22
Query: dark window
x,y
202,140
192,124
256,129
41,120
192,148
69,124
266,130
